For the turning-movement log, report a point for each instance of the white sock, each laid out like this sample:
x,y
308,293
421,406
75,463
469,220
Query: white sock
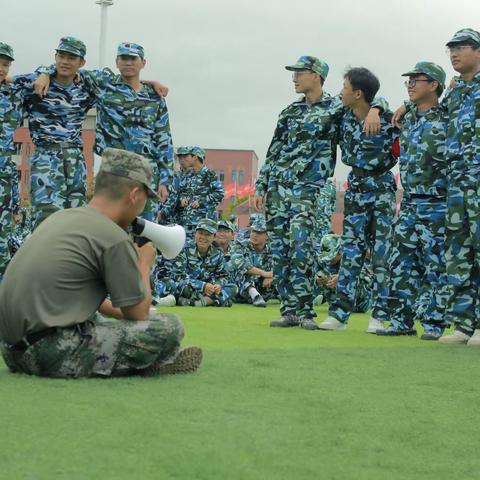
x,y
253,292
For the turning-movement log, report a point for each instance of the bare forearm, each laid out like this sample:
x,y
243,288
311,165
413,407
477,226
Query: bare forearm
x,y
259,272
107,309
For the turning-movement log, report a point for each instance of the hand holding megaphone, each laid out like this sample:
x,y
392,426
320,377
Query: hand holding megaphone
x,y
169,240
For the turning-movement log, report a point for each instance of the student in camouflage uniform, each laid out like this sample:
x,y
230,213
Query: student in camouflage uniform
x,y
244,233
169,210
57,167
11,114
327,264
71,263
252,267
326,202
463,205
202,192
131,115
417,262
199,273
225,238
369,201
20,232
300,158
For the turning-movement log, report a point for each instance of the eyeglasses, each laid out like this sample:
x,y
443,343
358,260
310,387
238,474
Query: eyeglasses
x,y
413,81
299,73
456,49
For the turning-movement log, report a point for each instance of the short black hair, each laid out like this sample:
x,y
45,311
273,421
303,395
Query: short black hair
x,y
364,80
113,186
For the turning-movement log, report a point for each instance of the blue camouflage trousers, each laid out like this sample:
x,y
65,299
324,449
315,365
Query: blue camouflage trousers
x,y
367,227
417,264
463,250
8,205
104,347
57,180
290,223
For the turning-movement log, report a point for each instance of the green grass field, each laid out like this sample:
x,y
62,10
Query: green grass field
x,y
265,404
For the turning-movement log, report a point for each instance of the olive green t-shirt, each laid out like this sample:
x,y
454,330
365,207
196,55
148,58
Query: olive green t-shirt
x,y
63,272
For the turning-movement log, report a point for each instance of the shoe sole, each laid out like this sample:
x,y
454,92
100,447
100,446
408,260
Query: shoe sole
x,y
187,361
384,333
332,329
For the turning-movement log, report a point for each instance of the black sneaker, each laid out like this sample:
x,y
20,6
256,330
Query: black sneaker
x,y
286,321
392,331
187,361
258,301
309,324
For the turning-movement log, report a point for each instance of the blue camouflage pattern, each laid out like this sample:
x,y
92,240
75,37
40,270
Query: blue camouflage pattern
x,y
463,206
369,204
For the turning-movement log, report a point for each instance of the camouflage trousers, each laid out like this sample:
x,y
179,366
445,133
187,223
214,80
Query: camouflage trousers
x,y
367,226
104,347
57,181
290,222
463,251
223,299
8,203
418,259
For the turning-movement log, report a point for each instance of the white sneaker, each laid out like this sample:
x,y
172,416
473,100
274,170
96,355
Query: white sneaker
x,y
455,338
168,301
332,323
374,325
474,339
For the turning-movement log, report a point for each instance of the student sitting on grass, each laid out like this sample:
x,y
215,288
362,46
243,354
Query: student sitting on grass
x,y
200,272
61,276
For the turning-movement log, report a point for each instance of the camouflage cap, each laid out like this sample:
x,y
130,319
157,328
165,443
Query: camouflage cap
x,y
432,70
131,49
253,217
129,165
196,151
329,247
6,50
207,224
310,63
225,224
465,35
259,225
72,45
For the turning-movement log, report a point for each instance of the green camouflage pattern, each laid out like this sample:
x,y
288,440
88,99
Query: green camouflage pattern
x,y
432,70
72,45
104,348
208,225
326,202
198,152
465,35
307,62
6,50
128,165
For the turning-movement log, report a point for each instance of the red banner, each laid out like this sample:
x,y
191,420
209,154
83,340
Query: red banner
x,y
229,190
245,190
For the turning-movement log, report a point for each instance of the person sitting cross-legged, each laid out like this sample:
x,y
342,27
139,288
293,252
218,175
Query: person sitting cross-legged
x,y
199,272
80,263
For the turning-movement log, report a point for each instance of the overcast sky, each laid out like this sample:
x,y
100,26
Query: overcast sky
x,y
224,59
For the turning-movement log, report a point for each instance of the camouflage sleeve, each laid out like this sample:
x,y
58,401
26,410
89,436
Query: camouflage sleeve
x,y
216,192
221,273
162,140
380,103
23,84
274,149
96,79
240,260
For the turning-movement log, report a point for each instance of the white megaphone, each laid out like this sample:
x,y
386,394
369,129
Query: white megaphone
x,y
169,240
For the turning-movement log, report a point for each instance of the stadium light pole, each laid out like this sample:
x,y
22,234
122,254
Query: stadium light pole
x,y
104,4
